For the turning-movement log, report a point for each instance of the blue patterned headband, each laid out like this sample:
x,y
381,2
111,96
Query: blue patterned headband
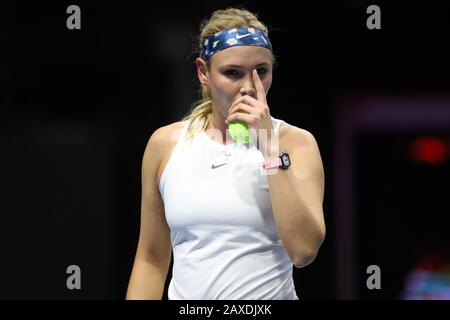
x,y
234,37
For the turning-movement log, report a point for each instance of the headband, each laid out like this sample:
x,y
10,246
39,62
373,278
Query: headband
x,y
232,38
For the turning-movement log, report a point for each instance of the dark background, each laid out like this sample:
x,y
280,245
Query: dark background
x,y
77,108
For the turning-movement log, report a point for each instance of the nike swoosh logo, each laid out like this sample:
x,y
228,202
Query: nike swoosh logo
x,y
242,36
214,166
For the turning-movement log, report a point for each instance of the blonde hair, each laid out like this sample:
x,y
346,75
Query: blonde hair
x,y
200,114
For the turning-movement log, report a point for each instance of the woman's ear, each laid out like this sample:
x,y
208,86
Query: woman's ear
x,y
201,71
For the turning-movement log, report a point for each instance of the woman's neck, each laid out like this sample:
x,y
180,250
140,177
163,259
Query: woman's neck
x,y
216,124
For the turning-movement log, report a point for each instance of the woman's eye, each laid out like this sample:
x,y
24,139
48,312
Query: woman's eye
x,y
237,73
262,70
231,73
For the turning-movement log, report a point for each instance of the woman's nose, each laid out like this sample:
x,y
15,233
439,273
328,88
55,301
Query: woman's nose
x,y
248,91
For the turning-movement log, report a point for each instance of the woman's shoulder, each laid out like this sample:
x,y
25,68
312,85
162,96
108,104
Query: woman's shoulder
x,y
167,133
290,133
288,129
160,143
161,138
171,126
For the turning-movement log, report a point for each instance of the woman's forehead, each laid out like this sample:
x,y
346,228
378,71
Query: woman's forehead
x,y
243,56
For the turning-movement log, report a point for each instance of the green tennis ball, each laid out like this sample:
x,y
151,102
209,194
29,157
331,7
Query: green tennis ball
x,y
239,131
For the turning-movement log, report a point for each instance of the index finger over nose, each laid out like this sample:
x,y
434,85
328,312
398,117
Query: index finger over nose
x,y
260,92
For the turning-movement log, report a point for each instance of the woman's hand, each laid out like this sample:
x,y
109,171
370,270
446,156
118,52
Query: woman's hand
x,y
256,113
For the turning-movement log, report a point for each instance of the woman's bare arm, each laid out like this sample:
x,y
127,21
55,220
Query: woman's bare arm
x,y
153,253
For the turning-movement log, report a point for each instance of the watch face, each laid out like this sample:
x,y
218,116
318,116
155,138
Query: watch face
x,y
285,159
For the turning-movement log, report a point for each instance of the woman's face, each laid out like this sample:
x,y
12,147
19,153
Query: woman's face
x,y
230,74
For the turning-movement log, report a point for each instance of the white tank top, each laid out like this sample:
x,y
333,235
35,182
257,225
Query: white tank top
x,y
217,205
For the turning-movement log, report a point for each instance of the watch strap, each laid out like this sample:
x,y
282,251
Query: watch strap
x,y
272,163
